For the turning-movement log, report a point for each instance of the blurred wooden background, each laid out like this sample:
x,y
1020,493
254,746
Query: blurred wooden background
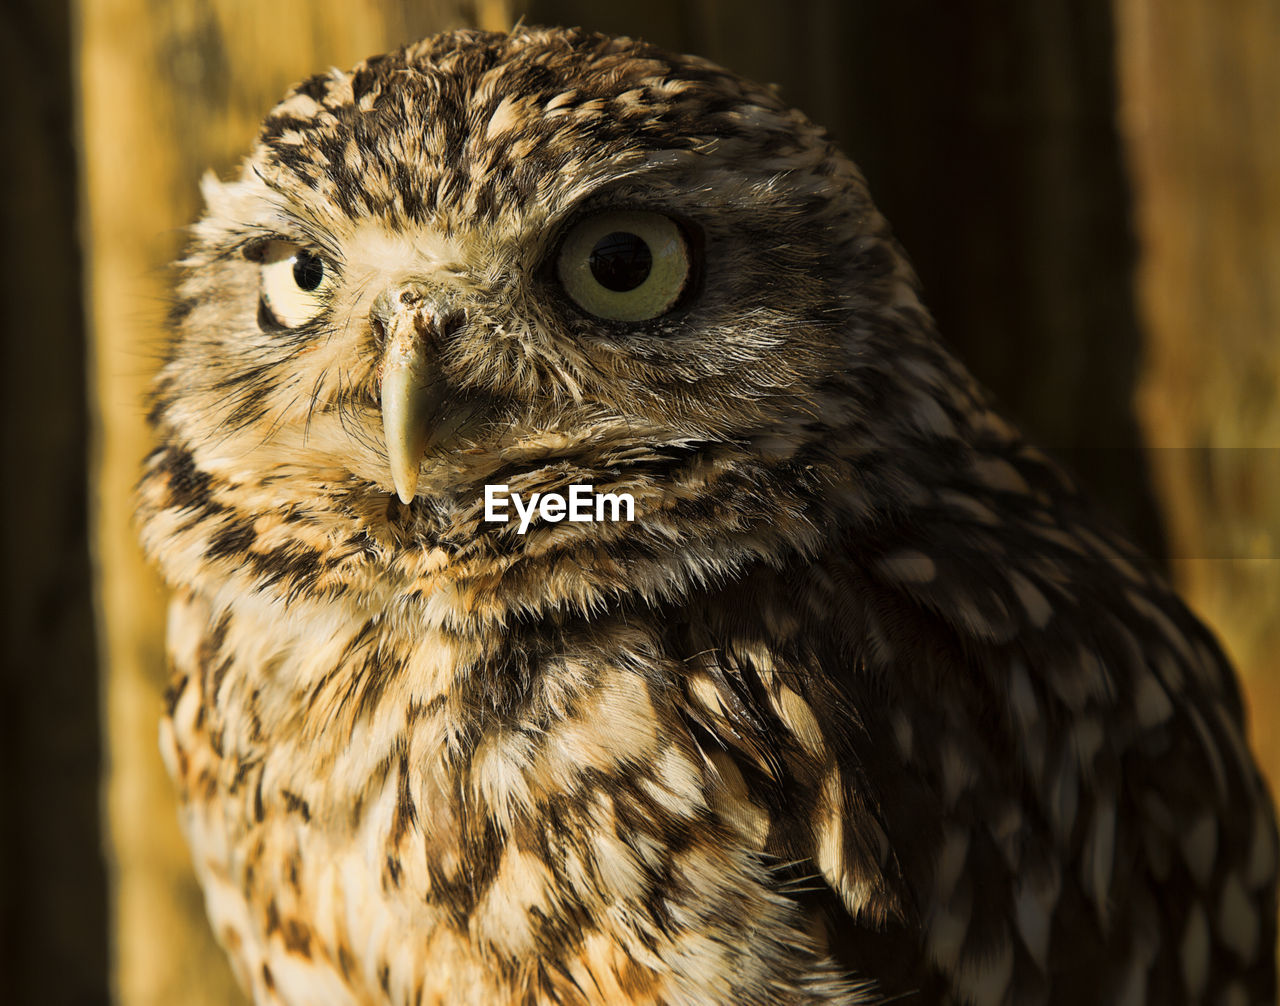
x,y
1089,188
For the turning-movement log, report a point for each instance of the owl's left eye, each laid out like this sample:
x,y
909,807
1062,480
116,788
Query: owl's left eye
x,y
624,265
295,282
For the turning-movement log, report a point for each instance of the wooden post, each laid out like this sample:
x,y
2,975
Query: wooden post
x,y
166,91
52,878
1200,110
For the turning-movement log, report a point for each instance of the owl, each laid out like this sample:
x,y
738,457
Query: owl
x,y
595,582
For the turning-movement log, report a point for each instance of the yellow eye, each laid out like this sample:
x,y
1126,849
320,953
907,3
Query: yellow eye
x,y
624,265
295,282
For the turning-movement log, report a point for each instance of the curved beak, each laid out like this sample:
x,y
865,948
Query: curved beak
x,y
413,391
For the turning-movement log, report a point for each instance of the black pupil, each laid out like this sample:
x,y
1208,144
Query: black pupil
x,y
308,270
621,261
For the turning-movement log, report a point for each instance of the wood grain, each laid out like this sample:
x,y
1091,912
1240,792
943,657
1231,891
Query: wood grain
x,y
1200,109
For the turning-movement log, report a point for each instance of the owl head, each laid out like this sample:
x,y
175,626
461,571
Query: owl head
x,y
534,259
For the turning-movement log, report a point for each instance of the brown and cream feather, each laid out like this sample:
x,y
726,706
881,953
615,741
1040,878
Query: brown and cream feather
x,y
866,701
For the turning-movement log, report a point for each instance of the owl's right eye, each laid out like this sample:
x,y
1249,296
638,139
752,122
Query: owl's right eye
x,y
295,282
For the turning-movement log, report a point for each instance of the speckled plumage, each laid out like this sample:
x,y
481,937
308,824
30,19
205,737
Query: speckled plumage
x,y
866,702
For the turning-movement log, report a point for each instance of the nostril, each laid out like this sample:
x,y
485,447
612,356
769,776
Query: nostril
x,y
437,326
379,329
450,322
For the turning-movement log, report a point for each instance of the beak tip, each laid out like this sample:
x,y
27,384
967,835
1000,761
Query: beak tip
x,y
406,486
